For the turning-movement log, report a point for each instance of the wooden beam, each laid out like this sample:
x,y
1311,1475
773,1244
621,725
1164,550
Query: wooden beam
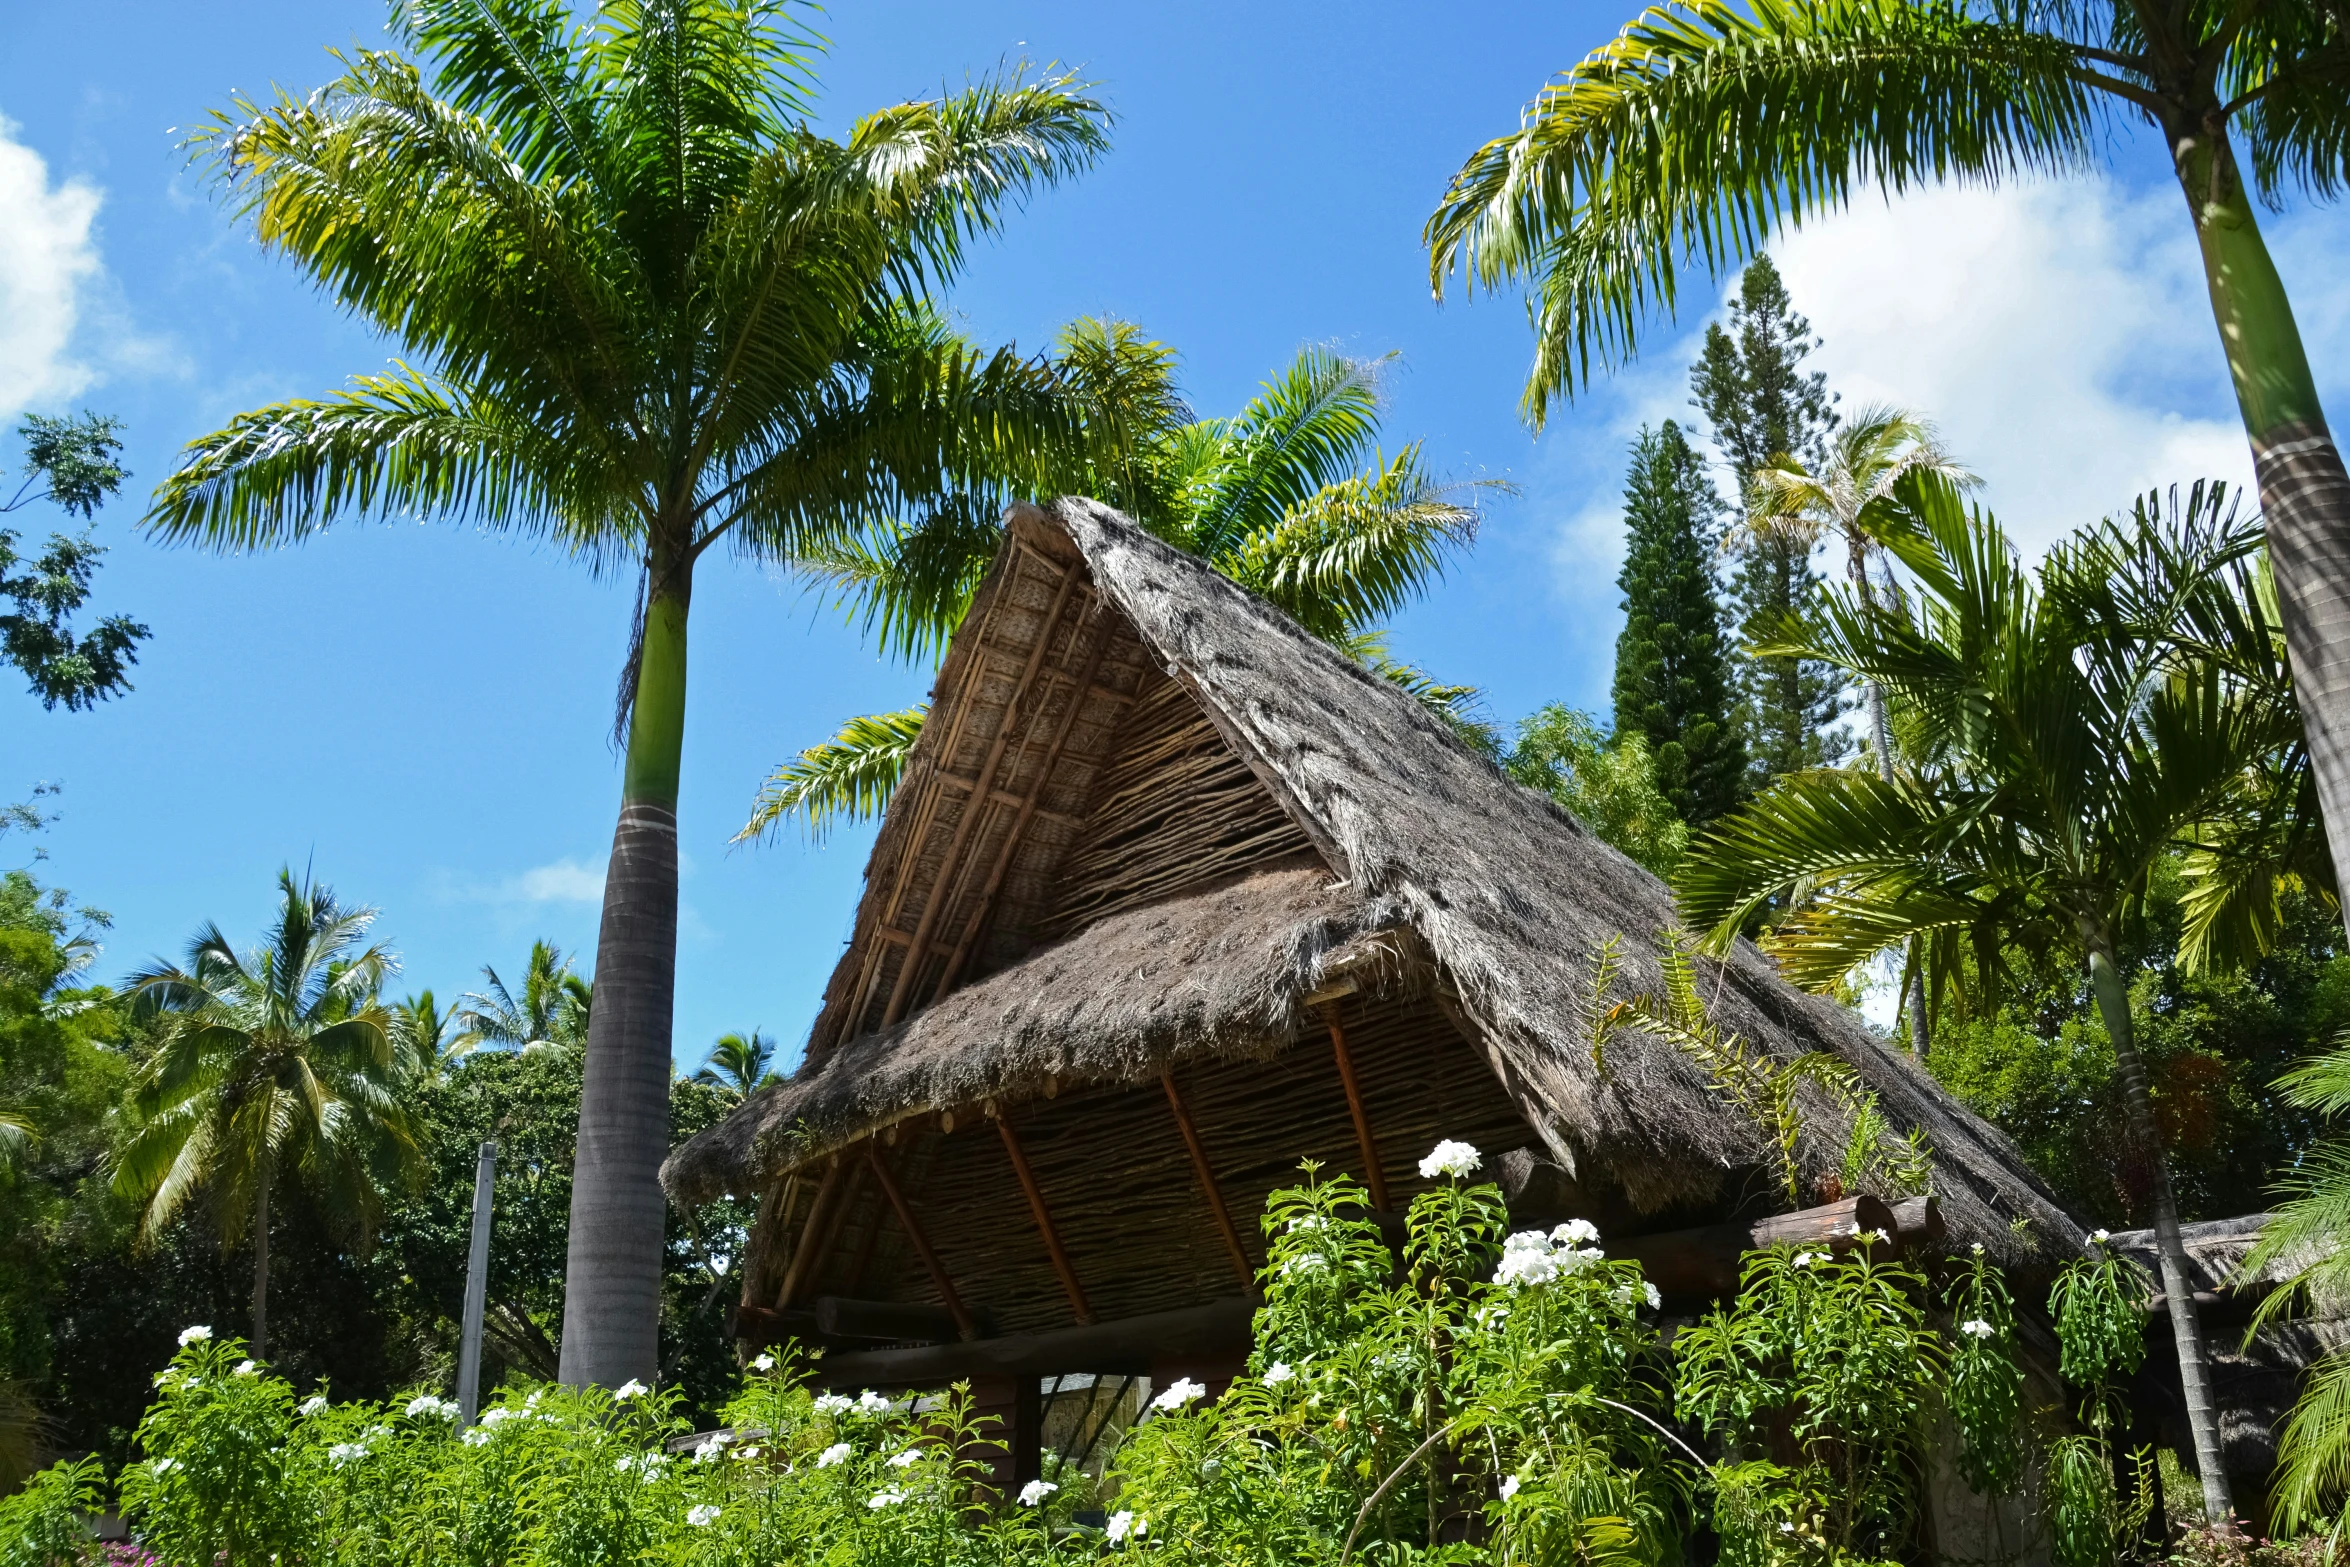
x,y
938,1273
1044,1220
1129,1345
843,1203
1207,1182
803,1255
872,1236
973,809
1373,1176
1028,808
1700,1263
896,1322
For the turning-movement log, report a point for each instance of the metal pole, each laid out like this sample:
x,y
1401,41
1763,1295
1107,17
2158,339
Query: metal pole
x,y
477,1286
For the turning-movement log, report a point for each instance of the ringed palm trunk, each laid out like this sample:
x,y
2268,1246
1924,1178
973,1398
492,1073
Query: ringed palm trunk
x,y
1881,736
2178,1292
2304,492
261,1268
612,1276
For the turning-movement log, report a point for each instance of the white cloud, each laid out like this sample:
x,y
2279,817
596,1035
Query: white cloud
x,y
2058,332
48,267
559,881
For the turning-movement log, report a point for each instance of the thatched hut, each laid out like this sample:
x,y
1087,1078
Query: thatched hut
x,y
1172,897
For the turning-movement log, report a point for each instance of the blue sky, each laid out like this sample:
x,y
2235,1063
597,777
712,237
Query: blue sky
x,y
420,714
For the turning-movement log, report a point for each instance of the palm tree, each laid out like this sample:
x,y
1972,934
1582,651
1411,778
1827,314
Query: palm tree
x,y
1292,498
275,1065
741,1064
2081,739
650,312
1705,125
431,1042
1866,457
551,1014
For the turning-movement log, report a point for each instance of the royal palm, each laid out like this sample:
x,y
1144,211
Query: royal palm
x,y
648,313
275,1067
2072,733
1704,126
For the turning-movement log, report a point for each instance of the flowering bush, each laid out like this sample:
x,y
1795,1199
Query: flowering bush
x,y
1487,1396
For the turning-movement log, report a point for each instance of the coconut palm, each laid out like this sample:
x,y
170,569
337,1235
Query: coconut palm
x,y
741,1064
276,1067
649,312
2081,740
551,1014
1706,125
431,1041
1291,497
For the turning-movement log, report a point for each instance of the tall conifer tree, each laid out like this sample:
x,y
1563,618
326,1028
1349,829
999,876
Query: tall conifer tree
x,y
1751,386
1672,682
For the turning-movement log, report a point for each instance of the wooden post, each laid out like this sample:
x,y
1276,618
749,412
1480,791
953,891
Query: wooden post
x,y
1044,1220
803,1255
1207,1182
945,1286
1373,1176
477,1287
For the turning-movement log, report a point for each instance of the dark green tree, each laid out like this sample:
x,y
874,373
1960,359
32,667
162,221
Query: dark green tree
x,y
1762,404
70,463
1672,682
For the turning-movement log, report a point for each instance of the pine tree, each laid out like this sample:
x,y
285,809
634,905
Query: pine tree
x,y
1672,683
1753,390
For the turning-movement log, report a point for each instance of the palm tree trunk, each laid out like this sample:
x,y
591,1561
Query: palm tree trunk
x,y
2304,491
2113,1004
261,1270
1881,737
612,1280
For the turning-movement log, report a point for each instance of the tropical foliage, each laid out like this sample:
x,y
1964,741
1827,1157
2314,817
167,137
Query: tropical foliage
x,y
69,462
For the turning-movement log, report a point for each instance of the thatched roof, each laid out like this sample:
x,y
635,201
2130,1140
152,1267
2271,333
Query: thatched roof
x,y
965,980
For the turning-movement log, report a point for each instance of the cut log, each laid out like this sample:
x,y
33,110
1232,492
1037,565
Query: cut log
x,y
1131,1345
1690,1265
1918,1222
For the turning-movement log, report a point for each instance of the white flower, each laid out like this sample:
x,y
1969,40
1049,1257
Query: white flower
x,y
1277,1373
1520,1268
246,1368
1311,1262
1124,1525
198,1334
1786,1528
1509,1488
912,1455
703,1516
834,1454
346,1452
164,1466
496,1417
1311,1221
1035,1491
315,1404
763,1363
479,1436
1978,1248
2097,1237
1449,1158
426,1404
872,1403
1179,1392
1879,1235
881,1499
1804,1259
1655,1301
379,1430
745,1455
1976,1326
833,1403
532,1402
632,1388
1575,1232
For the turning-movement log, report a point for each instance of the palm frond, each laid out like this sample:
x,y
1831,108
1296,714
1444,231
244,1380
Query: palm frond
x,y
1704,126
848,778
